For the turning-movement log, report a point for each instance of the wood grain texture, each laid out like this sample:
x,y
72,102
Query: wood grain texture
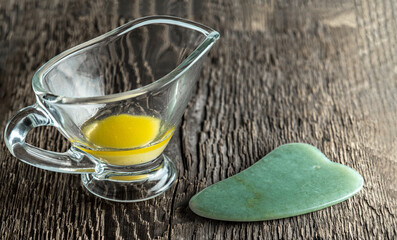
x,y
322,73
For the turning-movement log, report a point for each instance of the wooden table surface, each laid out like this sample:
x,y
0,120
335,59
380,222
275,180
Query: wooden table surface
x,y
318,72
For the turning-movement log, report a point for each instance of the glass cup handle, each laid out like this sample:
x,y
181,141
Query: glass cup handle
x,y
71,161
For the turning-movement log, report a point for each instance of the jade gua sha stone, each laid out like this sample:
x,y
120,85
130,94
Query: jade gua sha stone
x,y
293,179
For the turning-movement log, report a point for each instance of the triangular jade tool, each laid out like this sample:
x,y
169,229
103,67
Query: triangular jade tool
x,y
293,179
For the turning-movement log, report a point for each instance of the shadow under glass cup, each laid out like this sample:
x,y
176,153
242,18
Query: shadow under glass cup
x,y
117,99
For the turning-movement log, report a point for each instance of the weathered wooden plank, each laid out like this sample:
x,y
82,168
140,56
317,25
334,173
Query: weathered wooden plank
x,y
322,73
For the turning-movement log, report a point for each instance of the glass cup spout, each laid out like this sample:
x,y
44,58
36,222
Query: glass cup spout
x,y
118,99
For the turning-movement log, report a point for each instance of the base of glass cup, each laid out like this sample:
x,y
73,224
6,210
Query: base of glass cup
x,y
134,187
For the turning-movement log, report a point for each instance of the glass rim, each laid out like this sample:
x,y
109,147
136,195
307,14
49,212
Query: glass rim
x,y
210,34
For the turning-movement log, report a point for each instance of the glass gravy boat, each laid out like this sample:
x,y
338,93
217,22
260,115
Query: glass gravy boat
x,y
118,99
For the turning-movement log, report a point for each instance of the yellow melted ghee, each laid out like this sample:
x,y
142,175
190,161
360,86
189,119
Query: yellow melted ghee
x,y
125,131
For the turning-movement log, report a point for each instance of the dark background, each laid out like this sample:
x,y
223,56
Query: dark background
x,y
321,72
